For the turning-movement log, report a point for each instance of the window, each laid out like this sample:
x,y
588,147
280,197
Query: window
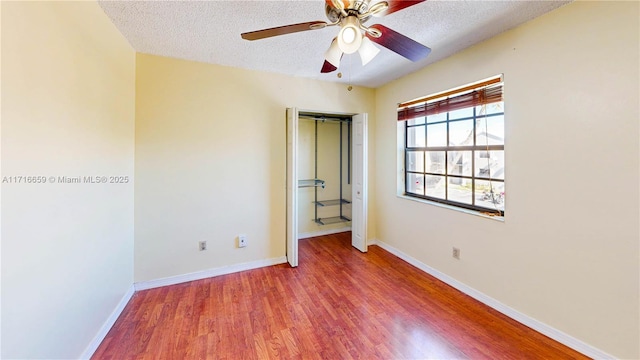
x,y
454,147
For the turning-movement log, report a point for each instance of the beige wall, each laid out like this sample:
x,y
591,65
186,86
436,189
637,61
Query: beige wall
x,y
67,249
210,161
567,252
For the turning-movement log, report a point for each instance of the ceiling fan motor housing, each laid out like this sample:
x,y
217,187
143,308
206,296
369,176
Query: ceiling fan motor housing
x,y
355,8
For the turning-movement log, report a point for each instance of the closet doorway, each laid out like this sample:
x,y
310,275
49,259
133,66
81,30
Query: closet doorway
x,y
326,176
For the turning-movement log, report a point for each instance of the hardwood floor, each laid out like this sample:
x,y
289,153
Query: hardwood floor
x,y
338,304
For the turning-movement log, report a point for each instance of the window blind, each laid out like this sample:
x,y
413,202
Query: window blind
x,y
480,94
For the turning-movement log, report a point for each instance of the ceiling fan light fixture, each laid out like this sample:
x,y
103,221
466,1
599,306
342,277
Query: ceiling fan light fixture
x,y
333,53
350,37
367,51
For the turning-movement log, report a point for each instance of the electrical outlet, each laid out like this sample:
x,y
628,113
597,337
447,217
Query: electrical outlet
x,y
202,245
242,240
456,253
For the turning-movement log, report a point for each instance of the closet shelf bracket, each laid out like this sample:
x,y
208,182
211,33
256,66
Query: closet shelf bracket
x,y
310,183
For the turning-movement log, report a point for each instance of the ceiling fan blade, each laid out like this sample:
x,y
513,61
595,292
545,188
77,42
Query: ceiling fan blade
x,y
399,43
282,30
397,5
327,67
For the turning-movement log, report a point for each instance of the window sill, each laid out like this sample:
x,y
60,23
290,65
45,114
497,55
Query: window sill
x,y
451,207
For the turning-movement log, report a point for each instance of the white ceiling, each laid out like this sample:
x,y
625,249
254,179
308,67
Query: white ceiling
x,y
209,31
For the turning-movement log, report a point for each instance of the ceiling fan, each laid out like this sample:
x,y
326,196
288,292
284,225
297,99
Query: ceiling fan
x,y
354,36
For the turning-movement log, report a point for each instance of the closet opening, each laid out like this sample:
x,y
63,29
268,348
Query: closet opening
x,y
326,177
324,174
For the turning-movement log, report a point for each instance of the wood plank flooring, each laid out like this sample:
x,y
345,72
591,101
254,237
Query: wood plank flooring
x,y
338,304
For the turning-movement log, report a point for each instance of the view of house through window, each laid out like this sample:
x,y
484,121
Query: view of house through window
x,y
454,148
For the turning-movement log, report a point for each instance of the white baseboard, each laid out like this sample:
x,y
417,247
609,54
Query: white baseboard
x,y
199,275
104,330
540,327
323,232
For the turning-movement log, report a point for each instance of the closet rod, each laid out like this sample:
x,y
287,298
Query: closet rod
x,y
323,119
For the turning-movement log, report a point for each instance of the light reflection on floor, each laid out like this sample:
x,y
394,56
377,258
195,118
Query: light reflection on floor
x,y
421,341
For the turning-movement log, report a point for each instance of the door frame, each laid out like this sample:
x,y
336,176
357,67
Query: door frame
x,y
292,118
292,186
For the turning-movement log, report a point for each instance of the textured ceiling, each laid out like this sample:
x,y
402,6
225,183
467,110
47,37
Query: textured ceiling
x,y
209,31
